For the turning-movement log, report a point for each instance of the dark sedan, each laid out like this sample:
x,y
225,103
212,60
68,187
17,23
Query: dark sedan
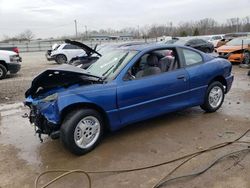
x,y
198,44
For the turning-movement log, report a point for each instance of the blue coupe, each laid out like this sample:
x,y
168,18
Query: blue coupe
x,y
125,85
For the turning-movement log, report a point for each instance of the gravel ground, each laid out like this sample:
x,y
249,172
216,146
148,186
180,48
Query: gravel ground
x,y
14,86
23,157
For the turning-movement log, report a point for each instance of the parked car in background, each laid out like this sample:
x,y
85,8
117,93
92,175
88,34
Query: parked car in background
x,y
92,55
63,53
223,42
237,50
198,44
14,49
125,85
214,39
86,58
9,62
237,34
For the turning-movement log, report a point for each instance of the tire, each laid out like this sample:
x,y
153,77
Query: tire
x,y
74,132
3,71
214,97
61,59
207,50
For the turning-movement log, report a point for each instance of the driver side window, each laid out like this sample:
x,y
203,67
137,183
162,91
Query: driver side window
x,y
154,63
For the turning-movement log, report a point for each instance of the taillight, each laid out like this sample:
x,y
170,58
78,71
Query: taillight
x,y
16,50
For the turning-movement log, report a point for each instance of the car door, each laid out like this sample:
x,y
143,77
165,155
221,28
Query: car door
x,y
153,95
196,69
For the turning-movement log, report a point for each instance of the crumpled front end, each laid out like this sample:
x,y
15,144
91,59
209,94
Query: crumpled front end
x,y
44,95
44,114
234,54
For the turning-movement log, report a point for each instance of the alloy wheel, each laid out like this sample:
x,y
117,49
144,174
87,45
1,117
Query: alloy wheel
x,y
87,132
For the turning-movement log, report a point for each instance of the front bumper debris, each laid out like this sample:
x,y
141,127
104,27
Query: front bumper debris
x,y
41,123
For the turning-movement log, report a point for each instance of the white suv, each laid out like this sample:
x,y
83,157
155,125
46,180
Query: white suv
x,y
63,53
9,62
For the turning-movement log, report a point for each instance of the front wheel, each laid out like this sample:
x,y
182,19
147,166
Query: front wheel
x,y
207,50
214,97
82,130
3,72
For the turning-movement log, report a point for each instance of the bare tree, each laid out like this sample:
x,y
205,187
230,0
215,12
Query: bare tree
x,y
26,35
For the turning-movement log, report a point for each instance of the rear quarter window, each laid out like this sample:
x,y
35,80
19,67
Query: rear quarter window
x,y
70,47
191,57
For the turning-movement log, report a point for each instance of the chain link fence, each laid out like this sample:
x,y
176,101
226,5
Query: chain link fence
x,y
37,46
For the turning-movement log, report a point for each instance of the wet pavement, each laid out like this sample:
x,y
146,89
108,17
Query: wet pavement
x,y
23,157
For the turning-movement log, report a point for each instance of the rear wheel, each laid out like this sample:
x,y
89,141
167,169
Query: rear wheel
x,y
207,50
214,97
82,130
3,71
60,59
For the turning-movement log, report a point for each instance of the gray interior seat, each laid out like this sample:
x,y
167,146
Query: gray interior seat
x,y
151,68
173,65
165,63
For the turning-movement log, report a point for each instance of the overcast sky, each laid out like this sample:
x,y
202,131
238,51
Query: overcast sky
x,y
50,18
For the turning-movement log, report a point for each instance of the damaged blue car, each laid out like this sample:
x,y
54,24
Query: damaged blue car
x,y
125,85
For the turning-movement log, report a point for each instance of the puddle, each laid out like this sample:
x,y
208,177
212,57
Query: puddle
x,y
4,107
16,131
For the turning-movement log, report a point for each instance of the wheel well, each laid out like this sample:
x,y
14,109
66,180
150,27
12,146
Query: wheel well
x,y
72,107
220,79
4,64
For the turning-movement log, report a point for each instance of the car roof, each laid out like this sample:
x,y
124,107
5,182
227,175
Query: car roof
x,y
155,46
149,46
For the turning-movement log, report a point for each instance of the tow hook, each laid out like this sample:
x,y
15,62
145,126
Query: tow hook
x,y
39,132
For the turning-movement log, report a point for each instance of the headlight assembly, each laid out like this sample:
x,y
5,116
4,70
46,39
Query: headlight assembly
x,y
50,98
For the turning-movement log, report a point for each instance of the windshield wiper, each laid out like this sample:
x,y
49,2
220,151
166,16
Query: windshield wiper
x,y
106,72
100,79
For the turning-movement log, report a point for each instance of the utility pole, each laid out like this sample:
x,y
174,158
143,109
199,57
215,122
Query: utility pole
x,y
138,28
237,25
75,27
86,32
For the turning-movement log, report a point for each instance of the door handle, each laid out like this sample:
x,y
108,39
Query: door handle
x,y
182,77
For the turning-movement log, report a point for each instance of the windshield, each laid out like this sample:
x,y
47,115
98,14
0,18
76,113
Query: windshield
x,y
238,42
55,46
110,64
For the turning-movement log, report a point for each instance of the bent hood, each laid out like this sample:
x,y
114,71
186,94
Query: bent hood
x,y
89,51
229,49
62,76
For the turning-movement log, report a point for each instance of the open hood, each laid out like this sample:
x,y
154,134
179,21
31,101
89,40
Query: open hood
x,y
62,76
89,51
